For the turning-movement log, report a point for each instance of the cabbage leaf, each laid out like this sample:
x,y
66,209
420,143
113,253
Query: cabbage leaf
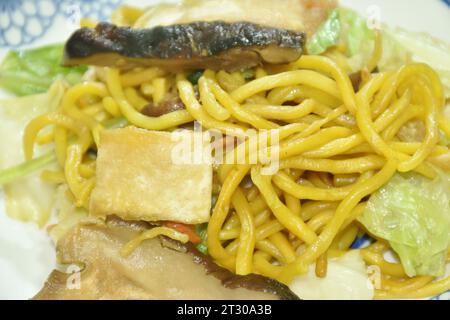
x,y
413,214
401,46
68,215
326,36
347,29
342,27
27,197
347,279
33,71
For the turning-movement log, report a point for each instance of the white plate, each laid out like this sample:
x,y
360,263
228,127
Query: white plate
x,y
26,253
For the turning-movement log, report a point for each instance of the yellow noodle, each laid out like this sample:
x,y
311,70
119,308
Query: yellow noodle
x,y
220,212
152,123
247,237
46,137
237,111
303,145
344,209
293,204
60,138
292,222
111,106
268,247
347,237
426,291
210,103
377,52
342,145
40,122
284,246
130,246
309,209
282,112
284,182
392,269
135,99
342,80
187,95
306,77
392,130
396,287
135,78
279,96
346,166
390,87
56,177
160,89
321,266
329,140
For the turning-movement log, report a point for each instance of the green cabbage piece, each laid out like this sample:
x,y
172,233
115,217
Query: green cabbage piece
x,y
355,33
343,26
413,214
348,28
24,169
33,71
326,36
27,197
401,46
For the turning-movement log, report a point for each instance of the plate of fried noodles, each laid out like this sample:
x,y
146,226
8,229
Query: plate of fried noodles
x,y
212,149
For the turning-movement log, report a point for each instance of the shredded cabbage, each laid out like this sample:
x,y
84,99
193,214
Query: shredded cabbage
x,y
413,214
33,71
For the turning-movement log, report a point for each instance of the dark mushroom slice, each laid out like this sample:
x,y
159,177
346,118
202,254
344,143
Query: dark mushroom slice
x,y
166,106
199,45
159,268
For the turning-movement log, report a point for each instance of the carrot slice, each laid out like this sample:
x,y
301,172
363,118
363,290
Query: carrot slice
x,y
189,230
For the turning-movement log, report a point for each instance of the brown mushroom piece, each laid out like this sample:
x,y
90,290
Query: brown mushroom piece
x,y
216,45
159,268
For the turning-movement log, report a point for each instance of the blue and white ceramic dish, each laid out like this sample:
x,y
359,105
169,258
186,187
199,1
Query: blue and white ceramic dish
x,y
26,253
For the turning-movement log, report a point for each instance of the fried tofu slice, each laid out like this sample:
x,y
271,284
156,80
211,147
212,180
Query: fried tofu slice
x,y
140,176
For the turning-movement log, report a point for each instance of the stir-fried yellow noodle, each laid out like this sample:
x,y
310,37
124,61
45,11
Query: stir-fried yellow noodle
x,y
336,147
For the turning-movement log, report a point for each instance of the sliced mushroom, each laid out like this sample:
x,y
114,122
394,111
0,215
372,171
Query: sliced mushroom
x,y
167,106
154,270
198,45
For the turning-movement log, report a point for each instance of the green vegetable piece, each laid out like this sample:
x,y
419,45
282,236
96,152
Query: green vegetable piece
x,y
202,231
343,26
33,71
326,36
194,77
14,173
413,214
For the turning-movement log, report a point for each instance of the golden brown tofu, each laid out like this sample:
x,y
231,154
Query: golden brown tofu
x,y
139,177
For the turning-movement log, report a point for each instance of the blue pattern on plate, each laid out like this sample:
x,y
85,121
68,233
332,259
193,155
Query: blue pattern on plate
x,y
447,2
24,21
444,297
96,9
361,242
